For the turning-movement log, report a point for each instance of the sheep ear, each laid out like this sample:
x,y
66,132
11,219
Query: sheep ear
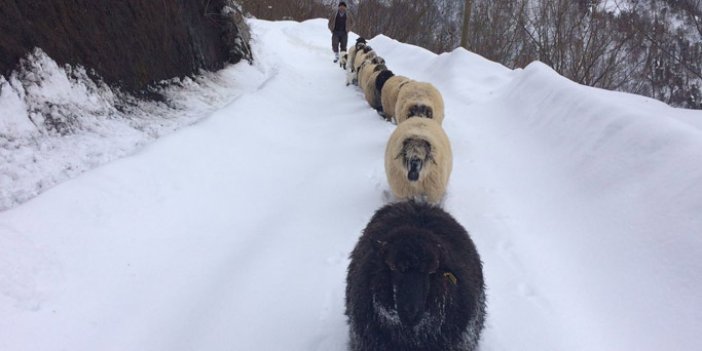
x,y
451,278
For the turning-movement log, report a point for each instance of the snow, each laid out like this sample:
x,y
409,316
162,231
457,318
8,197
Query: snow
x,y
615,6
233,233
58,123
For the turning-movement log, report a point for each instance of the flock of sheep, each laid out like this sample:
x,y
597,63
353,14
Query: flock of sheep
x,y
415,280
418,158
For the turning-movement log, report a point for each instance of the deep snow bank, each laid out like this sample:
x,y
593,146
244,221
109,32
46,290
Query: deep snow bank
x,y
608,190
57,122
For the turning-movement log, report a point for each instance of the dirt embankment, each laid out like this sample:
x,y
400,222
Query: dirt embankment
x,y
129,43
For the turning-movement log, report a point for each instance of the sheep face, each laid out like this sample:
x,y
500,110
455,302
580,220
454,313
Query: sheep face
x,y
420,111
378,60
413,261
380,67
415,154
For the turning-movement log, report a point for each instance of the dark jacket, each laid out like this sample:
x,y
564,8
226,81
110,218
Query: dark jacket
x,y
349,21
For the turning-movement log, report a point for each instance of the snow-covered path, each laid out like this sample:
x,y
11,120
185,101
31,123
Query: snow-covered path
x,y
233,234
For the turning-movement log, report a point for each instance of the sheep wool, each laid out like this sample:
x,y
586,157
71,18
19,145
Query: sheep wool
x,y
418,99
418,161
367,71
415,283
351,56
388,95
360,44
362,57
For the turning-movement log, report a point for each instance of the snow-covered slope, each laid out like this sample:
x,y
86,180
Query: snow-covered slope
x,y
233,234
56,122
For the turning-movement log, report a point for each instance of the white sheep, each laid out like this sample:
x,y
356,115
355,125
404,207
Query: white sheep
x,y
363,57
367,69
418,99
389,93
351,58
360,44
418,161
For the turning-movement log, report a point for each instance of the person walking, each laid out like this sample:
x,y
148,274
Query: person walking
x,y
340,24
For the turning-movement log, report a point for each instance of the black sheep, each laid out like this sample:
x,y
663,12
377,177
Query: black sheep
x,y
415,282
380,81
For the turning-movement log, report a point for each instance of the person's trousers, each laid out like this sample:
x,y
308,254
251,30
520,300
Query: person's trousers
x,y
339,38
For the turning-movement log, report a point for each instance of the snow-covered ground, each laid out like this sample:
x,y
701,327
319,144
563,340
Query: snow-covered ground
x,y
233,233
56,122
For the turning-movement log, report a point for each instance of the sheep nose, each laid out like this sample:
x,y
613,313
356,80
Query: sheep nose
x,y
415,166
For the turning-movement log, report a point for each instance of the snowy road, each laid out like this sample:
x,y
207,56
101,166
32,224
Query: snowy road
x,y
233,234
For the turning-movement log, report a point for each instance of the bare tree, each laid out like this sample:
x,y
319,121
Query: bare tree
x,y
649,47
465,27
298,10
